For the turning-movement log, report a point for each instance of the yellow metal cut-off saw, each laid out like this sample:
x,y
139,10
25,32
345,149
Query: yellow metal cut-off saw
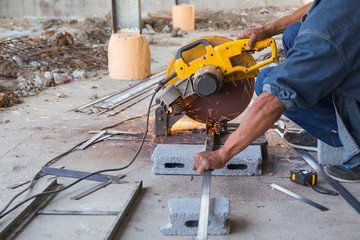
x,y
209,78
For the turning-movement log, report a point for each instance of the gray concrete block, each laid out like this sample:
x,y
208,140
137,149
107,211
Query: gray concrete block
x,y
185,212
329,155
178,159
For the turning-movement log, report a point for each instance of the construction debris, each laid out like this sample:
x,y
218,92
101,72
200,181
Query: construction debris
x,y
40,54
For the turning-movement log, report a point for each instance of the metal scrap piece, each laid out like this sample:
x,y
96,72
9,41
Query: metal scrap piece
x,y
298,197
80,174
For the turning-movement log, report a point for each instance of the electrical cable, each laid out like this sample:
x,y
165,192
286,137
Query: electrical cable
x,y
3,213
322,190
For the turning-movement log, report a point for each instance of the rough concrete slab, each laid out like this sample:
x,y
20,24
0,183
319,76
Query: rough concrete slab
x,y
329,155
178,159
184,217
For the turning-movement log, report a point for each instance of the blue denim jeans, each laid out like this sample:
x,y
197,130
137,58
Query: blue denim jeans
x,y
320,119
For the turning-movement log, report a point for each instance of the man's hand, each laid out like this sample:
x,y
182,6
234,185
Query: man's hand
x,y
208,160
254,35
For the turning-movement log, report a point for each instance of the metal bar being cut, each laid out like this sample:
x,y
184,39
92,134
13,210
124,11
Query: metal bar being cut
x,y
206,186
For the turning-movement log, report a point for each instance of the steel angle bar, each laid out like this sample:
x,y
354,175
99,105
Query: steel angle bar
x,y
134,96
93,189
126,14
137,138
79,174
123,212
117,132
119,96
88,105
91,140
127,105
80,213
130,92
350,199
23,219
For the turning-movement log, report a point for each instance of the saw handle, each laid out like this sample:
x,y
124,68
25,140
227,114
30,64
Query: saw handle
x,y
189,46
226,51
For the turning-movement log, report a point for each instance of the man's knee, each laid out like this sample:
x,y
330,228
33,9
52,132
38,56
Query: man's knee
x,y
289,35
258,87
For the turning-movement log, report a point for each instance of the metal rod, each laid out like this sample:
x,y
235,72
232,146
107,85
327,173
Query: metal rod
x,y
91,140
80,213
298,197
80,174
119,219
350,199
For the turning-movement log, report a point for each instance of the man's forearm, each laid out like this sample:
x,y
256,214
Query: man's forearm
x,y
263,113
279,25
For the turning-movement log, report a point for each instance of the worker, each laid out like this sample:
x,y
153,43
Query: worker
x,y
317,86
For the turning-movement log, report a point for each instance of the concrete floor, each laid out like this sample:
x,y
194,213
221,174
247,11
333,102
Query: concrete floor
x,y
44,126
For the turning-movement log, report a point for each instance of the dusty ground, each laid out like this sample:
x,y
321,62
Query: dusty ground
x,y
44,126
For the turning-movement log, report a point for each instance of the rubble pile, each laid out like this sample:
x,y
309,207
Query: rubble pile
x,y
38,53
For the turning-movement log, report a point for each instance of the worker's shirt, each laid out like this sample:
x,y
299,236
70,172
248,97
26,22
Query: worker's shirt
x,y
325,59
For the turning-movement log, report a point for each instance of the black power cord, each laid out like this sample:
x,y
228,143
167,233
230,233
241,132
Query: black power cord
x,y
3,213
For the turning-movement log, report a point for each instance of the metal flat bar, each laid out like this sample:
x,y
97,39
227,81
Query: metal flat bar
x,y
23,219
80,174
204,206
350,199
93,189
116,132
138,138
90,190
206,187
91,140
298,197
80,213
119,219
126,14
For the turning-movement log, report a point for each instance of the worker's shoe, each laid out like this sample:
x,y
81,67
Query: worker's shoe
x,y
343,174
301,140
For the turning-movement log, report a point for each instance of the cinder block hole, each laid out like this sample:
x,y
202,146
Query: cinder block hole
x,y
174,165
237,166
192,223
